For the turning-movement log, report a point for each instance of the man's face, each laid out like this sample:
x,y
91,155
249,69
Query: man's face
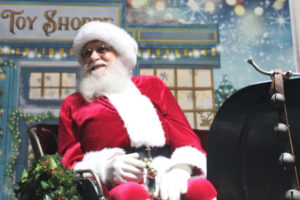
x,y
103,72
96,55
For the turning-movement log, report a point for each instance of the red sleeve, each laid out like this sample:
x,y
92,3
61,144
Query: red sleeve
x,y
179,133
68,145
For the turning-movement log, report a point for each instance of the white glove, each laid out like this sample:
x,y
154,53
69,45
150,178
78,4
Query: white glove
x,y
123,168
174,183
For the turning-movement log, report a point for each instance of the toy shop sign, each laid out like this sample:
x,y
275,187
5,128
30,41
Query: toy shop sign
x,y
51,22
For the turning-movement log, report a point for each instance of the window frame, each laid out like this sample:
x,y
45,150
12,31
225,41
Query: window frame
x,y
43,67
175,89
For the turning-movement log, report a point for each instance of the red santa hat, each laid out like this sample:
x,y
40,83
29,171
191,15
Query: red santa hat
x,y
119,39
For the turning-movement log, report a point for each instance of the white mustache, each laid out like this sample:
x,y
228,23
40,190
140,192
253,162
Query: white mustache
x,y
98,62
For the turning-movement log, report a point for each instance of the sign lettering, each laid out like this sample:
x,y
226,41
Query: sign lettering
x,y
46,22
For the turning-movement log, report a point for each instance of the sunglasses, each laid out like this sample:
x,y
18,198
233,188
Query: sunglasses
x,y
100,49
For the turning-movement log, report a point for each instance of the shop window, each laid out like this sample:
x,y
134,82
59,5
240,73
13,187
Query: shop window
x,y
54,85
47,86
193,90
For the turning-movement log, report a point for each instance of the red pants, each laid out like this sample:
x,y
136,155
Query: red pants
x,y
198,189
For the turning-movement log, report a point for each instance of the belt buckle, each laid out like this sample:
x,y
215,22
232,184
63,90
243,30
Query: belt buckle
x,y
151,173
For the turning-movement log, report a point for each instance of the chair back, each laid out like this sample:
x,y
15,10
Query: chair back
x,y
43,138
202,135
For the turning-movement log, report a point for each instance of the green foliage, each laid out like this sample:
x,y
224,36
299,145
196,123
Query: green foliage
x,y
13,125
48,179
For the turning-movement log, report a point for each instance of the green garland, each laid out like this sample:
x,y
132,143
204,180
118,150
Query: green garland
x,y
7,63
13,126
48,179
1,113
4,63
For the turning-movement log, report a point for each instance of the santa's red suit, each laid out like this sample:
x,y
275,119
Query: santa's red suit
x,y
92,132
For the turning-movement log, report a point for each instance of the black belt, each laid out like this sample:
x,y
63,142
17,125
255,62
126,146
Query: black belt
x,y
150,152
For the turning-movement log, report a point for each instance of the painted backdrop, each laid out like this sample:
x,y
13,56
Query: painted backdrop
x,y
259,29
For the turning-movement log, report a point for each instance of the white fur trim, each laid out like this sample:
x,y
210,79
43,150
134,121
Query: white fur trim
x,y
111,34
96,161
191,156
139,116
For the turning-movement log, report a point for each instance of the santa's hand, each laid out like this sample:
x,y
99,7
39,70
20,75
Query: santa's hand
x,y
175,182
124,168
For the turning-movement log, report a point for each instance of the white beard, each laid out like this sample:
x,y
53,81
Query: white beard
x,y
113,78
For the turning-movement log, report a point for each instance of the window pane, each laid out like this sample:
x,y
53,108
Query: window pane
x,y
68,79
203,78
51,79
173,92
66,92
190,118
35,93
146,71
184,78
35,80
204,120
204,99
51,93
185,99
167,75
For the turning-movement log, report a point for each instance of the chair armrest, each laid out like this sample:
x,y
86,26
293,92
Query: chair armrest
x,y
86,173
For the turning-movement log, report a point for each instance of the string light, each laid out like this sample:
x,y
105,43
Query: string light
x,y
196,53
34,53
231,2
146,55
171,56
210,6
258,11
31,54
57,56
6,50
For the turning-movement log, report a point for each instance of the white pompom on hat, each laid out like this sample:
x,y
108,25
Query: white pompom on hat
x,y
118,38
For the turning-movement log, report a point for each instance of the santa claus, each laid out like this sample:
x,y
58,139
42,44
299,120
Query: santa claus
x,y
129,130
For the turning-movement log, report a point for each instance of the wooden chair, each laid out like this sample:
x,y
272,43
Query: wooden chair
x,y
43,138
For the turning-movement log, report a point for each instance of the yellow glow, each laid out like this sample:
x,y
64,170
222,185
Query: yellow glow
x,y
160,5
240,10
210,6
278,4
138,3
231,2
31,156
